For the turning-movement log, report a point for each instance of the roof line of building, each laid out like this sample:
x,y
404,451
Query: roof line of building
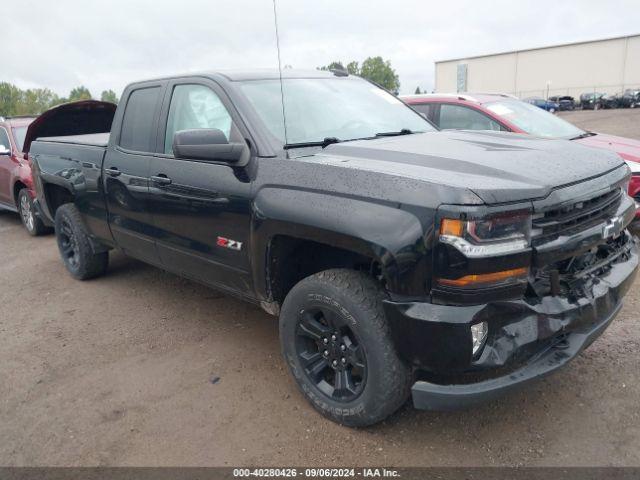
x,y
538,48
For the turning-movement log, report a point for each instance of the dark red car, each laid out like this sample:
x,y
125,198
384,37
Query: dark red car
x,y
16,184
501,112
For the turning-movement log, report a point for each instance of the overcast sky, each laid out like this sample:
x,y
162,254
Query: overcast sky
x,y
106,44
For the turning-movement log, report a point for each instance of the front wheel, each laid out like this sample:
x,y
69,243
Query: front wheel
x,y
337,343
30,220
75,246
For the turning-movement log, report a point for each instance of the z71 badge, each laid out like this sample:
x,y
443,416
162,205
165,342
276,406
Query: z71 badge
x,y
228,243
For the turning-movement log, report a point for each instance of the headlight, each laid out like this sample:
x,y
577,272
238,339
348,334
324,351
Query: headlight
x,y
493,236
488,252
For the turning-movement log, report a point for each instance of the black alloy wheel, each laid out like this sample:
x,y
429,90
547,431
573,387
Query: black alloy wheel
x,y
331,355
68,244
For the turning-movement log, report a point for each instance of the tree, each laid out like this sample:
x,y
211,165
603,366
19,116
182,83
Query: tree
x,y
10,98
353,68
79,93
373,68
33,101
332,66
37,100
418,92
109,96
379,71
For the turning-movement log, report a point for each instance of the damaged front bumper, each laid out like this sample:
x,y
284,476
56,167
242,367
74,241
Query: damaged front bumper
x,y
527,339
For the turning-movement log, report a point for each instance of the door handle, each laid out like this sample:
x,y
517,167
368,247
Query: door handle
x,y
161,179
112,171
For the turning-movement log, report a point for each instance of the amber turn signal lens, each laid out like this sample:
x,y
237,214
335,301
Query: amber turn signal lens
x,y
484,278
451,227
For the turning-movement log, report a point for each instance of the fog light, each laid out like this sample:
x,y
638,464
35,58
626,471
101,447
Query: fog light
x,y
479,335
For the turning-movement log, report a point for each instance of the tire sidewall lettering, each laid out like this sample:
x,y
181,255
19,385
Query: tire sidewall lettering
x,y
318,297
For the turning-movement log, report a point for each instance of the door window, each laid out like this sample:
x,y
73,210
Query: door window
x,y
458,117
424,108
139,115
196,107
4,140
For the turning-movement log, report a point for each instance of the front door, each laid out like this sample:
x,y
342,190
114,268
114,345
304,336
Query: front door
x,y
6,164
201,210
126,173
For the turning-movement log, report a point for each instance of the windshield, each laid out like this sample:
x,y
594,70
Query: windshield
x,y
18,135
319,108
533,120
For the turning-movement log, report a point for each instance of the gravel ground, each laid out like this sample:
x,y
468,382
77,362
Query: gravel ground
x,y
141,367
624,122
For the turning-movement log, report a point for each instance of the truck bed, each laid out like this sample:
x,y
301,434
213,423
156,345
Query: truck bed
x,y
80,154
93,139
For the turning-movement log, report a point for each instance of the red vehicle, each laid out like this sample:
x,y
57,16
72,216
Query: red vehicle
x,y
16,184
501,112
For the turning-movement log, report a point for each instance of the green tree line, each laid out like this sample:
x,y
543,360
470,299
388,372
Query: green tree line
x,y
375,69
33,101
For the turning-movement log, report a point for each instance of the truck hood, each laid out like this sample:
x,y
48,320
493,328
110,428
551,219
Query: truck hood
x,y
75,118
498,167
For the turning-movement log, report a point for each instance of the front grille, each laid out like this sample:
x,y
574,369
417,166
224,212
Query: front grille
x,y
575,277
575,217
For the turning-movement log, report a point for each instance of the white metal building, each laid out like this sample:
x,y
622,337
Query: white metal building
x,y
609,66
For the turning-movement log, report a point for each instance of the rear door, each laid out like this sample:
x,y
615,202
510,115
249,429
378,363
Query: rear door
x,y
201,209
126,170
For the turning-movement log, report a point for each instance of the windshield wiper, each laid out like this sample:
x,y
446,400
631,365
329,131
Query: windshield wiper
x,y
322,143
583,135
404,131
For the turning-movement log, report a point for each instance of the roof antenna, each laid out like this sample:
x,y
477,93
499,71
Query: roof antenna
x,y
284,117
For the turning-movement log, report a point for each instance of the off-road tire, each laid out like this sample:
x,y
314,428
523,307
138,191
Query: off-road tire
x,y
31,222
75,247
358,298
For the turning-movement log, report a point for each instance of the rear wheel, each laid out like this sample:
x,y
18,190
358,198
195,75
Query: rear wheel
x,y
337,343
30,220
75,247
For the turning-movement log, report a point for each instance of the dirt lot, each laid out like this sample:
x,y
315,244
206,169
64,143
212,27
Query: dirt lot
x,y
122,371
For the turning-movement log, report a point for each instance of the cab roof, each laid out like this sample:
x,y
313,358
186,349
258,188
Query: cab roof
x,y
248,75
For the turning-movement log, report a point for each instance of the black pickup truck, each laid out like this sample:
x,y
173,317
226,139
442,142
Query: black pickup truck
x,y
401,260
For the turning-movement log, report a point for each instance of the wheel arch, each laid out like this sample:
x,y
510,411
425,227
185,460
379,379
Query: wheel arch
x,y
17,186
55,195
339,232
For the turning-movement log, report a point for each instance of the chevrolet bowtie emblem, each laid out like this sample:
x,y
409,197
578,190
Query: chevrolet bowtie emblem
x,y
613,227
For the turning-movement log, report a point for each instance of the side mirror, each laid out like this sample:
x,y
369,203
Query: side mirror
x,y
4,150
208,144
